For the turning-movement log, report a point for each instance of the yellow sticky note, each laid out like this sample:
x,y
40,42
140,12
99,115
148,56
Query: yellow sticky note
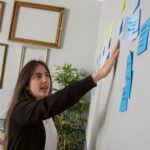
x,y
108,33
111,28
0,71
123,6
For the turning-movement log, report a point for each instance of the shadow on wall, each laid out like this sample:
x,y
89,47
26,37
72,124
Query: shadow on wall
x,y
102,115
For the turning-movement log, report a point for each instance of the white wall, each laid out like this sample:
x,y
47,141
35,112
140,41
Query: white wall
x,y
78,41
109,128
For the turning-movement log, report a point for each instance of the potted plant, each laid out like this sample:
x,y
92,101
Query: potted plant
x,y
71,123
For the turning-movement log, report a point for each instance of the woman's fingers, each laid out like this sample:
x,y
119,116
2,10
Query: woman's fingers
x,y
116,53
117,46
104,71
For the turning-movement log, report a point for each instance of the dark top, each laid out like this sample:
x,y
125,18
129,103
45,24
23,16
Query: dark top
x,y
26,129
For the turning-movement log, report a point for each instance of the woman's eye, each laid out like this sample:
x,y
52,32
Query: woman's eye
x,y
37,76
47,74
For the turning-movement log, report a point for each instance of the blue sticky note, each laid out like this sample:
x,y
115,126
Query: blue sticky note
x,y
109,43
143,39
148,21
131,27
108,55
128,85
129,74
135,4
119,28
97,65
99,58
124,101
129,65
103,51
97,61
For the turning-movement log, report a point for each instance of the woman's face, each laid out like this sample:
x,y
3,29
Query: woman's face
x,y
39,84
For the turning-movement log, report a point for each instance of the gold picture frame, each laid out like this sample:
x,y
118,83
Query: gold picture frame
x,y
2,5
30,52
45,29
3,53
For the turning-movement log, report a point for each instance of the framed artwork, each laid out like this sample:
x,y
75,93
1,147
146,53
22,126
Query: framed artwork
x,y
1,130
45,29
2,4
1,124
32,52
3,52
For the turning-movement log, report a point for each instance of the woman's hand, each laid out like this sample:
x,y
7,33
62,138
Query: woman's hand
x,y
105,70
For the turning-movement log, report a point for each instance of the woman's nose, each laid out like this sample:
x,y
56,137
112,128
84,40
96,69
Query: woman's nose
x,y
44,78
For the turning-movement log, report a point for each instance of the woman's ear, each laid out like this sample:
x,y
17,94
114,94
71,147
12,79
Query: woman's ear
x,y
27,88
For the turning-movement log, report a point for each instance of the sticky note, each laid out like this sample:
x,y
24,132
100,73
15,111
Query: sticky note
x,y
131,27
109,42
123,6
135,4
129,65
128,84
124,101
143,38
119,28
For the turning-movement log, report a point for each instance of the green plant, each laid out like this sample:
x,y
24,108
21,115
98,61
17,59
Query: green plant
x,y
71,123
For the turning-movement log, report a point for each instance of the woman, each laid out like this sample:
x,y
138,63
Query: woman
x,y
32,102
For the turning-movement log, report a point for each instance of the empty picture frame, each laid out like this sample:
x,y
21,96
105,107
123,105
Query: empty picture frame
x,y
36,24
3,51
2,4
1,124
30,52
1,131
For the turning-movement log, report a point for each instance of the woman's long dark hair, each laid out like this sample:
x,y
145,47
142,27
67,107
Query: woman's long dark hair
x,y
20,92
